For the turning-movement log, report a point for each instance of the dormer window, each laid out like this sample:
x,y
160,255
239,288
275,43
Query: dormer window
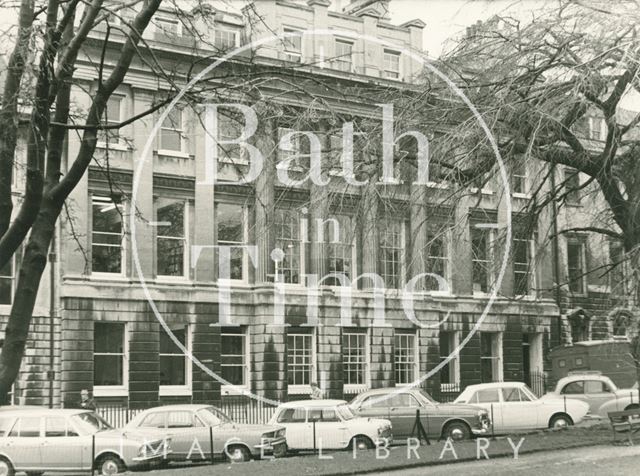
x,y
391,64
225,38
293,44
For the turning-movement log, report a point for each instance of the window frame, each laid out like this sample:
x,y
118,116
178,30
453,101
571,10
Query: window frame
x,y
414,352
353,245
115,390
488,260
12,281
400,277
102,198
245,242
520,175
186,389
167,18
181,131
303,389
118,144
340,60
244,332
577,241
350,388
445,233
299,242
227,30
292,55
496,357
453,370
185,241
530,270
572,190
389,73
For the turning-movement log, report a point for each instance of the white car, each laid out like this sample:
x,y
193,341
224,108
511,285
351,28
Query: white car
x,y
598,391
512,406
329,425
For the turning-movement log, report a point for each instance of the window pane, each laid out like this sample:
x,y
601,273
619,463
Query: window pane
x,y
233,356
299,355
55,427
167,345
6,282
108,337
108,370
106,250
287,239
26,427
230,221
354,358
180,420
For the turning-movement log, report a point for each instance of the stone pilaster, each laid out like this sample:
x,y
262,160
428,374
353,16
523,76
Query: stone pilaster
x,y
265,140
329,359
417,263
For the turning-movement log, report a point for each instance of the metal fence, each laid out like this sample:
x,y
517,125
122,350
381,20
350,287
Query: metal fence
x,y
449,392
240,410
537,381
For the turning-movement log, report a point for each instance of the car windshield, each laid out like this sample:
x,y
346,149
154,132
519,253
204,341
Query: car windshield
x,y
427,396
90,422
345,412
527,391
212,416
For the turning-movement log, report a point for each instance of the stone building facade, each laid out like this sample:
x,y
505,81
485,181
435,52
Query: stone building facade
x,y
144,223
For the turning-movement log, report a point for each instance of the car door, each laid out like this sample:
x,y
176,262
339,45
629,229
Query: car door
x,y
596,394
490,400
299,430
23,443
574,390
330,431
402,413
157,420
518,411
62,447
375,406
189,438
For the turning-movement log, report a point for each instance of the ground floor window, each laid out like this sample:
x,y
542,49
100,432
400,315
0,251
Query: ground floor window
x,y
234,357
109,357
6,282
300,360
450,373
405,357
355,358
174,363
490,357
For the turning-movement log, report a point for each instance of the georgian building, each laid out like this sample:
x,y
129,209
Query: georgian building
x,y
105,327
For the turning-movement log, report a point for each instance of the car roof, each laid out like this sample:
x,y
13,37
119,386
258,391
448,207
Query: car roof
x,y
180,406
387,390
584,376
481,386
313,403
41,411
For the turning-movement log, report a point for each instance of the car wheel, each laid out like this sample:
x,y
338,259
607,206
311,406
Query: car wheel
x,y
280,451
6,468
109,464
238,454
558,422
457,431
361,443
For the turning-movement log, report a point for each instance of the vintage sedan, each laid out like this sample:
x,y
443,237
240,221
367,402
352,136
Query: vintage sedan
x,y
35,440
514,407
329,425
401,404
598,391
193,429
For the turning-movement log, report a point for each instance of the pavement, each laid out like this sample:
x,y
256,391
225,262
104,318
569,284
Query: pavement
x,y
591,461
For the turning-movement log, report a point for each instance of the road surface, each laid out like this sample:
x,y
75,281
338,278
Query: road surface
x,y
591,461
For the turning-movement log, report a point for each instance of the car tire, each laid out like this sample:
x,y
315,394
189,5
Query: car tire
x,y
457,431
559,422
109,464
6,468
361,442
238,454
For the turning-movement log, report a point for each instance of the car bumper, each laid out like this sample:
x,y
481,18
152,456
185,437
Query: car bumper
x,y
480,431
276,447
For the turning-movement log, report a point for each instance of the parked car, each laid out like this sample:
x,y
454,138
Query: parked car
x,y
514,407
329,424
596,390
625,400
35,440
438,419
188,427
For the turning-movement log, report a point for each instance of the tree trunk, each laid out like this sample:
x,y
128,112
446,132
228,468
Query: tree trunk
x,y
33,264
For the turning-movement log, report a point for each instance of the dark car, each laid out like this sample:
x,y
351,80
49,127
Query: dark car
x,y
399,405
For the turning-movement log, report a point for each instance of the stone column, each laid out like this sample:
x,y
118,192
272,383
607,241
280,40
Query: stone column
x,y
418,231
369,230
265,140
319,208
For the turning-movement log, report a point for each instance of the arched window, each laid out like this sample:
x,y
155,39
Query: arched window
x,y
620,324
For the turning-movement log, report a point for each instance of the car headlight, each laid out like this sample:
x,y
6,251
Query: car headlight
x,y
281,433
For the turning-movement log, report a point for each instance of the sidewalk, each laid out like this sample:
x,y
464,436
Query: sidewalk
x,y
401,457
